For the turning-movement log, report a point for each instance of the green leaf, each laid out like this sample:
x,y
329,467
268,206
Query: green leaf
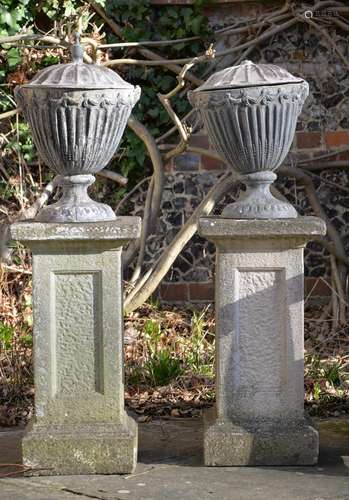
x,y
196,24
13,57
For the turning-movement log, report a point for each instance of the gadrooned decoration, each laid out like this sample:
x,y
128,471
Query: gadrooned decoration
x,y
77,113
250,113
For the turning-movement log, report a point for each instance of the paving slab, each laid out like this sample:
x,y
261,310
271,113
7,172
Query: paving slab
x,y
170,468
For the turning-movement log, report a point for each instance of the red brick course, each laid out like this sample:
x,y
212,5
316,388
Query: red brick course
x,y
337,138
316,287
204,291
208,163
201,292
309,140
174,292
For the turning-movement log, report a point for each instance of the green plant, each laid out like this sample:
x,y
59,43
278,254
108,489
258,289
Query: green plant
x,y
6,337
152,335
162,367
332,372
324,379
199,355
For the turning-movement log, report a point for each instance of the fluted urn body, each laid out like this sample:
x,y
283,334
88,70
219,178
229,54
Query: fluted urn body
x,y
250,114
77,113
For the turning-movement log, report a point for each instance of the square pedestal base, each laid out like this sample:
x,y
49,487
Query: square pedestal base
x,y
82,449
228,444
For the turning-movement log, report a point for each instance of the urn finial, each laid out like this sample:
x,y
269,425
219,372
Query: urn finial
x,y
77,52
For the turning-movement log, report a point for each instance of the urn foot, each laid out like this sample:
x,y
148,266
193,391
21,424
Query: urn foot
x,y
75,205
258,202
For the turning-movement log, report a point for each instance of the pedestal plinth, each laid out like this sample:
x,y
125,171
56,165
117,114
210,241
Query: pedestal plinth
x,y
80,424
259,414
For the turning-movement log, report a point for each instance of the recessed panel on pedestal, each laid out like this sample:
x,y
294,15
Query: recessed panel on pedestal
x,y
262,357
77,339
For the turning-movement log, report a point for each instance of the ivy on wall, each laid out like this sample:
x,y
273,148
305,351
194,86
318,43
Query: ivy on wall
x,y
143,21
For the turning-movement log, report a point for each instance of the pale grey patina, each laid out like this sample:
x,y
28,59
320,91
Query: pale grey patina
x,y
250,113
77,113
80,424
259,415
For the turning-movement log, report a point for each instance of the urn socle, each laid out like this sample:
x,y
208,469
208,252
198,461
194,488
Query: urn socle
x,y
250,113
77,113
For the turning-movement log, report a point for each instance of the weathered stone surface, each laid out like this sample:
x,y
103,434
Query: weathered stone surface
x,y
302,227
123,228
80,424
259,342
81,449
229,444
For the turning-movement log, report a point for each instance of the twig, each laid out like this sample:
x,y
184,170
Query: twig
x,y
340,291
328,165
14,269
130,193
334,297
184,132
323,156
156,187
146,43
43,38
10,113
251,27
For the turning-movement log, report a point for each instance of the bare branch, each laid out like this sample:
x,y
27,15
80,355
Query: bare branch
x,y
184,131
8,114
159,176
114,176
146,43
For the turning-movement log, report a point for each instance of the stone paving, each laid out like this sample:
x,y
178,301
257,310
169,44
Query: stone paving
x,y
169,468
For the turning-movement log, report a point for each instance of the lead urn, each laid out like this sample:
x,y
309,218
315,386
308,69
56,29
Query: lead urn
x,y
77,113
250,113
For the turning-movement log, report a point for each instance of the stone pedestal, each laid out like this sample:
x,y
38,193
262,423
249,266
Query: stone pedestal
x,y
80,424
259,414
